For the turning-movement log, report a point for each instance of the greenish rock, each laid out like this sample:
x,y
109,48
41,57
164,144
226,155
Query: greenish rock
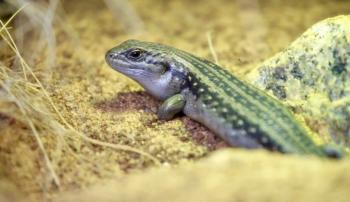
x,y
312,77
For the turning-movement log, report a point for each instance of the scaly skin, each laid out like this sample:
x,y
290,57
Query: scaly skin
x,y
236,111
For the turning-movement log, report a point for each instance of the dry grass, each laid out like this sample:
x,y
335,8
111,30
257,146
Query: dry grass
x,y
24,97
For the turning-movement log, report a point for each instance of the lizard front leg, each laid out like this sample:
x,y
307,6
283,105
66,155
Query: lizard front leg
x,y
171,107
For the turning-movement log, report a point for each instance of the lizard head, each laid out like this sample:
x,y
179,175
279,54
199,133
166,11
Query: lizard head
x,y
152,65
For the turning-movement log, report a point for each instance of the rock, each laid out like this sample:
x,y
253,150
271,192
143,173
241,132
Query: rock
x,y
312,77
229,175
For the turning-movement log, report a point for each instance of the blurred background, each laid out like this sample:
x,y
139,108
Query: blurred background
x,y
67,121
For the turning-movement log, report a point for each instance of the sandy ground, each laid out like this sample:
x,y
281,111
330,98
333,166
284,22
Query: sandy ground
x,y
109,107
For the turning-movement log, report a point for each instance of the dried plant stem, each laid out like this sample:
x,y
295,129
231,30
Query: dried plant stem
x,y
26,68
36,135
211,48
20,106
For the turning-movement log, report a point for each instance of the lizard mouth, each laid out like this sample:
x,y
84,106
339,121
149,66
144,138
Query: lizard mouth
x,y
124,67
113,59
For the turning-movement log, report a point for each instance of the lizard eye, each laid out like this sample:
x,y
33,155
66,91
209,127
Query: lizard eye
x,y
135,54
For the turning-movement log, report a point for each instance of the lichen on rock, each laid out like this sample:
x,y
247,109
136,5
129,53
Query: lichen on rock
x,y
312,76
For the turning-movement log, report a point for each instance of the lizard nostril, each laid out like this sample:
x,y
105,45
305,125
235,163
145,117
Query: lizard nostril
x,y
110,55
